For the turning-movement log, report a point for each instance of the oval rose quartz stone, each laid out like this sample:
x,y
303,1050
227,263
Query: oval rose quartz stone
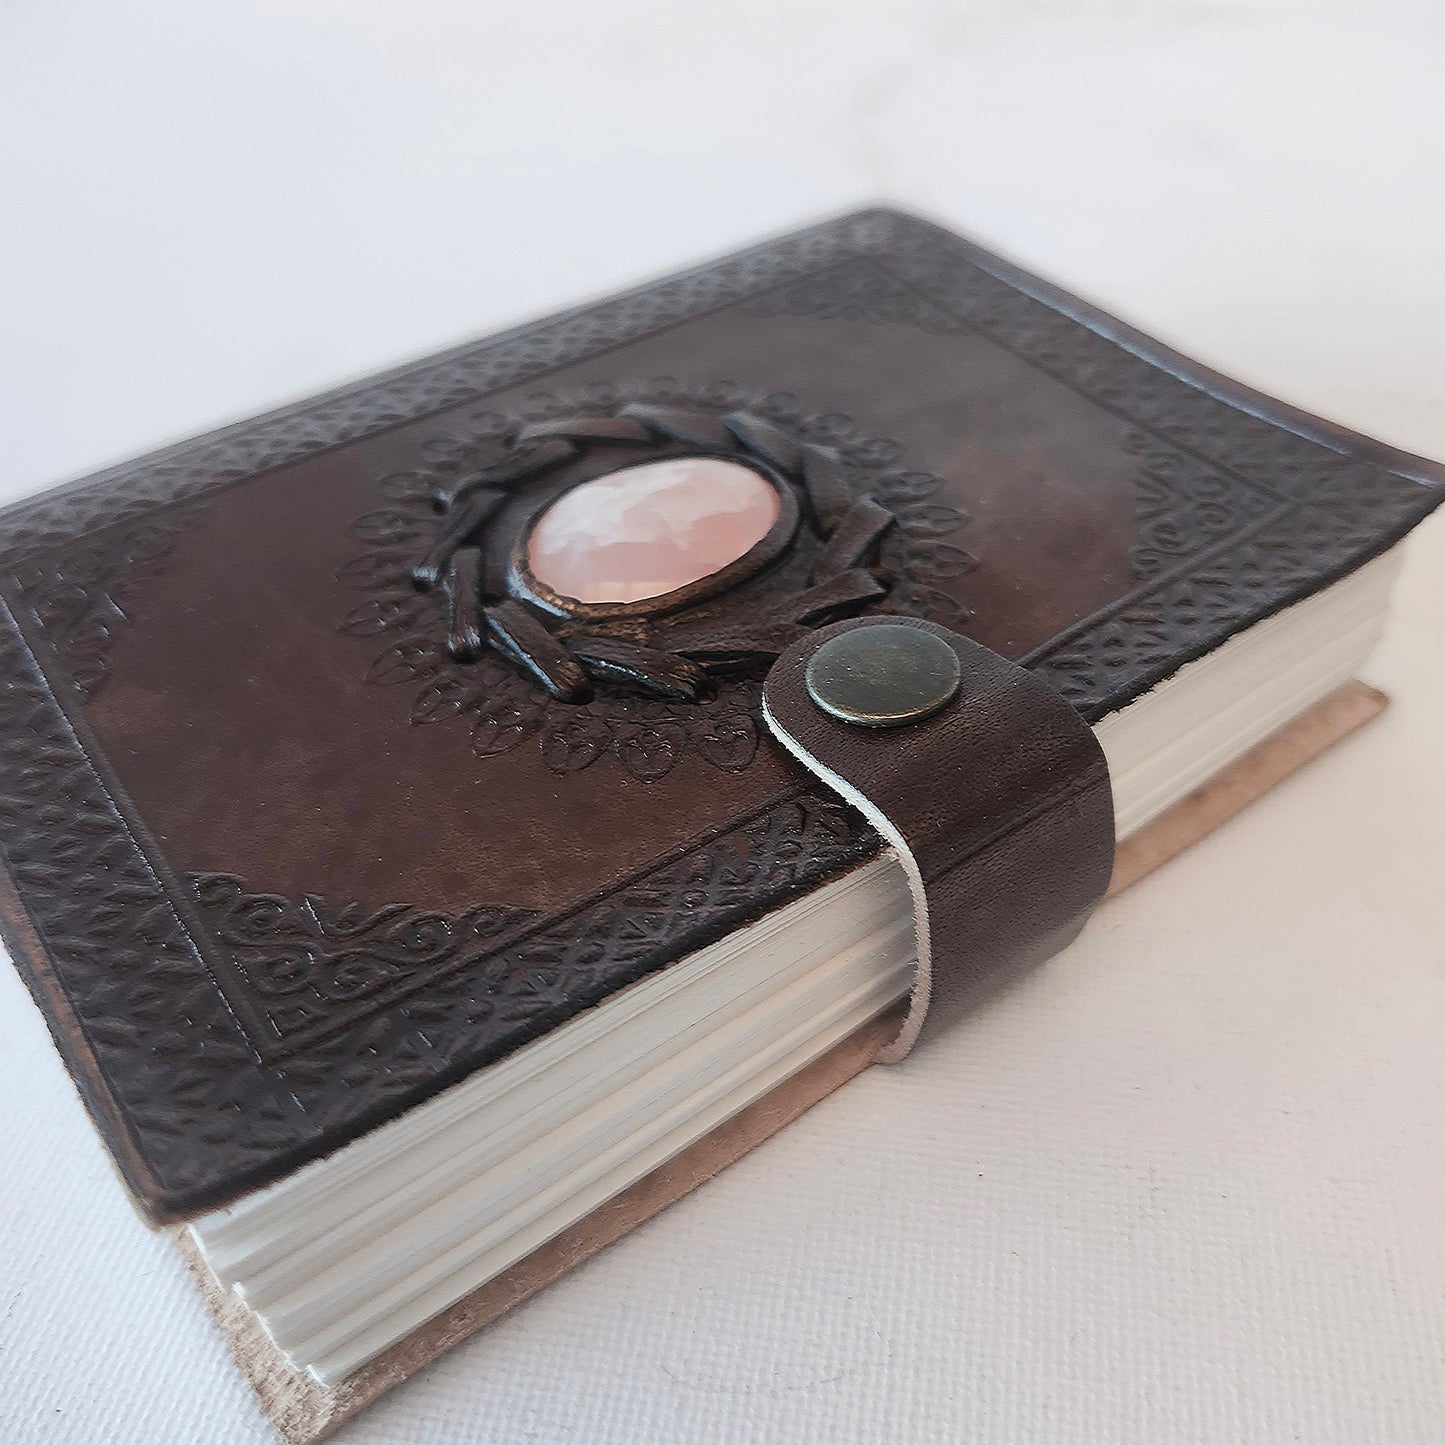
x,y
650,529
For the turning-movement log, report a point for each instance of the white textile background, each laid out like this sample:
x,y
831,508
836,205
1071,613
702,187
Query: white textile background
x,y
1185,1186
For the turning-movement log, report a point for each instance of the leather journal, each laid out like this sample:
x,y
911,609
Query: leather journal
x,y
365,765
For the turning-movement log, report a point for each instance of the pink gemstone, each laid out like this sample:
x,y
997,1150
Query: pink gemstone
x,y
650,529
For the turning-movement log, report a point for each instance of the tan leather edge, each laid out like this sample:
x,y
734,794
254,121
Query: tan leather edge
x,y
1249,777
303,1411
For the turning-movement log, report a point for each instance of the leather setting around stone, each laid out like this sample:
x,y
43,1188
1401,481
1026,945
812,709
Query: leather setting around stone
x,y
885,675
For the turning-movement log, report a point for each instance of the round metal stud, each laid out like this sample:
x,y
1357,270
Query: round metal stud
x,y
883,676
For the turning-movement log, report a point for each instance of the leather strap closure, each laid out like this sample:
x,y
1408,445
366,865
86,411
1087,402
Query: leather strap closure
x,y
997,801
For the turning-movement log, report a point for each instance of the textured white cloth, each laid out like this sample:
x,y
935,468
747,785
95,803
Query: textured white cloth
x,y
1182,1187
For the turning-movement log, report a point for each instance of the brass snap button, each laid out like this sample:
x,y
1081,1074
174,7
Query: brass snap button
x,y
883,676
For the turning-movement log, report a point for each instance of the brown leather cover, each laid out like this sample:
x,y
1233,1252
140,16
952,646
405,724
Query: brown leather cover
x,y
999,807
291,845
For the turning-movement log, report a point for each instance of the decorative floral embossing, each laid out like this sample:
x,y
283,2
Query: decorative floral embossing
x,y
1184,505
854,290
82,594
217,1087
712,711
308,962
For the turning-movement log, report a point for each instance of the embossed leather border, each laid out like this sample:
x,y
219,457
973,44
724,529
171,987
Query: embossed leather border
x,y
135,984
100,923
